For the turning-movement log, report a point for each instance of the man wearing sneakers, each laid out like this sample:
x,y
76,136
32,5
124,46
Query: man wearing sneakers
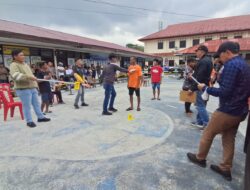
x,y
233,94
202,74
79,69
26,88
156,78
108,77
134,82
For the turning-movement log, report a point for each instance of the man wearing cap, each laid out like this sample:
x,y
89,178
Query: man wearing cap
x,y
202,74
233,94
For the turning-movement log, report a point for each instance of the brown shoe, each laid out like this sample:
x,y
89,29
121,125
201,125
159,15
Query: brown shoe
x,y
194,159
226,174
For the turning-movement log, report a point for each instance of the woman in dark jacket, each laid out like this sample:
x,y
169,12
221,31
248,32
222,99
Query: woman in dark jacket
x,y
188,82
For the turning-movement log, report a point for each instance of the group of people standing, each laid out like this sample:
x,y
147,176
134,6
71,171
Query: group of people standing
x,y
233,77
233,92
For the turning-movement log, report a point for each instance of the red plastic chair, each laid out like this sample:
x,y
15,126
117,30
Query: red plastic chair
x,y
3,86
9,103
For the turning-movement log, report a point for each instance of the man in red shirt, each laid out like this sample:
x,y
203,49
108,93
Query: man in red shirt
x,y
156,78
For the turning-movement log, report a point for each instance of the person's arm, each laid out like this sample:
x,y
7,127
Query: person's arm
x,y
161,75
230,74
140,78
123,70
18,76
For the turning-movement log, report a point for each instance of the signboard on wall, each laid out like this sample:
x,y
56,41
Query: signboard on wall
x,y
7,50
71,62
35,59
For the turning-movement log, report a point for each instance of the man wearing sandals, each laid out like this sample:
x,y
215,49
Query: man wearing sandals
x,y
134,82
156,78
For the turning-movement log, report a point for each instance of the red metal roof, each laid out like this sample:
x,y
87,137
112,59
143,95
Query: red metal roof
x,y
213,45
34,33
163,54
211,26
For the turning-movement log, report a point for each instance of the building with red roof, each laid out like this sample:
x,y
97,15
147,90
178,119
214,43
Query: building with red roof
x,y
49,45
182,39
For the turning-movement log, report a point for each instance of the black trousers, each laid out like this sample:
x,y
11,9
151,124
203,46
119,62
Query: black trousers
x,y
187,107
247,170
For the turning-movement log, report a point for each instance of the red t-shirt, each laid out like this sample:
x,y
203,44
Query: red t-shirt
x,y
156,72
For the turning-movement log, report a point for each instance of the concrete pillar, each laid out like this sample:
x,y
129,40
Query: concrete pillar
x,y
55,62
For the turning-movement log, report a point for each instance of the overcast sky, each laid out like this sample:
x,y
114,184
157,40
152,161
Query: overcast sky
x,y
117,25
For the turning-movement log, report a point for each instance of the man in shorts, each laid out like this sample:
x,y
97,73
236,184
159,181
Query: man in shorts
x,y
134,82
44,87
156,78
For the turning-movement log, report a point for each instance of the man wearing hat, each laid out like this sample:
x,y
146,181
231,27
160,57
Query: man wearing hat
x,y
233,94
202,74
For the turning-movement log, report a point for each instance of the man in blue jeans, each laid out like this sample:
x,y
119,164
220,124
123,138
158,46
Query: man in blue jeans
x,y
26,88
108,76
202,74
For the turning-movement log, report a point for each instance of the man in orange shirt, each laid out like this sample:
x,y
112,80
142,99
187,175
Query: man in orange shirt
x,y
134,82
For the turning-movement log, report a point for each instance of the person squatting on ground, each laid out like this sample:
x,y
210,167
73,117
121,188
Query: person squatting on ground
x,y
26,87
202,74
108,77
156,78
233,94
135,81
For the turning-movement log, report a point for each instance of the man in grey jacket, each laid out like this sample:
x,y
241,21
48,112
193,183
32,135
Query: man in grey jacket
x,y
108,76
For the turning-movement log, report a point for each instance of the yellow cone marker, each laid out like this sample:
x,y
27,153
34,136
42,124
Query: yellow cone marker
x,y
130,117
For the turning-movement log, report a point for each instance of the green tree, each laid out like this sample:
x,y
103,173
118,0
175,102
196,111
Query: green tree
x,y
136,47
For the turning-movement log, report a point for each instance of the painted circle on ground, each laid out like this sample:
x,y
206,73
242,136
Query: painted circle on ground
x,y
85,139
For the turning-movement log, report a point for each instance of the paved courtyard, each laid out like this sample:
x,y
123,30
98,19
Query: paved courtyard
x,y
81,149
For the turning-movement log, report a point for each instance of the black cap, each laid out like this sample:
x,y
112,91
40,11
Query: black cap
x,y
202,48
234,47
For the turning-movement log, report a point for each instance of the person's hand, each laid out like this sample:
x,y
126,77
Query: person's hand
x,y
132,70
190,92
33,78
201,86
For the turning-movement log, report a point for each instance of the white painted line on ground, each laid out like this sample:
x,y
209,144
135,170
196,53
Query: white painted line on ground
x,y
172,106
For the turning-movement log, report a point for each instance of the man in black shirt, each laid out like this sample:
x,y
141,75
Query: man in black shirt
x,y
202,74
44,87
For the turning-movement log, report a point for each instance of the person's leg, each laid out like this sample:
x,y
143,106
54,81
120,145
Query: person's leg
x,y
131,92
159,90
187,107
113,95
138,99
78,96
82,94
219,123
247,170
228,143
36,104
59,96
26,97
202,116
154,87
107,89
